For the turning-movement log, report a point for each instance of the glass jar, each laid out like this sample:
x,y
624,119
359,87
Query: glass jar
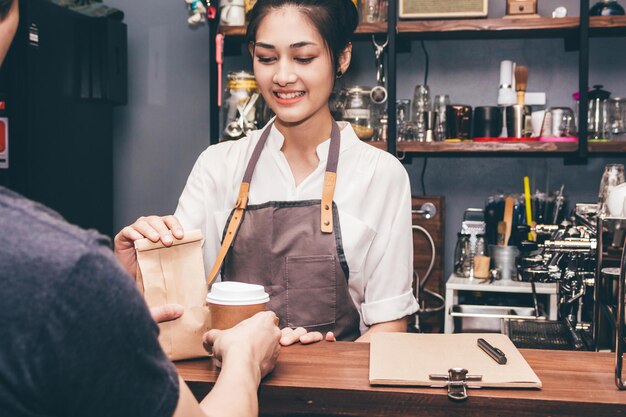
x,y
598,116
481,246
243,109
617,115
421,104
357,111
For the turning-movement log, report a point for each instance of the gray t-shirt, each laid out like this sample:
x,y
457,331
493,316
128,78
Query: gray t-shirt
x,y
76,338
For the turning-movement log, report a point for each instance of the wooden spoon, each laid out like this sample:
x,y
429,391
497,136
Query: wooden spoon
x,y
509,202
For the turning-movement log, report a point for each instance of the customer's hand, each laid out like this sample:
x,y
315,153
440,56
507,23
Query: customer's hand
x,y
167,312
154,228
254,340
299,334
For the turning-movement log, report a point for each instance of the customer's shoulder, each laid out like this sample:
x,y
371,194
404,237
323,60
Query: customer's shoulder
x,y
34,231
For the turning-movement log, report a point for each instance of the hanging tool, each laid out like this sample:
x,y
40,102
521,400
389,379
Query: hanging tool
x,y
529,211
379,93
219,58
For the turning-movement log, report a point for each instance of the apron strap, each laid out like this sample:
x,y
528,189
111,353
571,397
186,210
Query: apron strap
x,y
328,191
330,180
231,231
240,207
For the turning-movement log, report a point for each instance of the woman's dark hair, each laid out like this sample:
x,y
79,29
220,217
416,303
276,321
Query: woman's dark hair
x,y
335,20
5,6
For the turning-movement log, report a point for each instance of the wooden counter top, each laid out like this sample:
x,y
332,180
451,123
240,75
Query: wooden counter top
x,y
332,379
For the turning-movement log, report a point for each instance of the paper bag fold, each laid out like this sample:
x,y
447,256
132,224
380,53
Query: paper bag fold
x,y
175,274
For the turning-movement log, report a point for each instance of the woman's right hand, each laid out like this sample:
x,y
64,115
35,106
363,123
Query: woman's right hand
x,y
155,228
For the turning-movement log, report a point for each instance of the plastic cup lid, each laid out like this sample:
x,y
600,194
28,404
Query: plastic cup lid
x,y
237,293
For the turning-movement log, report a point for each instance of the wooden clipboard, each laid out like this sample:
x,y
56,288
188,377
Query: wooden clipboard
x,y
409,359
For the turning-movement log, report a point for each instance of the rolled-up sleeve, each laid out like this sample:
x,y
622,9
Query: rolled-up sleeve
x,y
388,271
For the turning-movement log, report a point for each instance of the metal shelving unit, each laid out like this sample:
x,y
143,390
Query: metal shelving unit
x,y
578,28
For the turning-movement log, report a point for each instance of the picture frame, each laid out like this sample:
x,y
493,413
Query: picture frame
x,y
429,9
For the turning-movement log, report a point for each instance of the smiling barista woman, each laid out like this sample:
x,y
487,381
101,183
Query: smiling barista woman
x,y
342,265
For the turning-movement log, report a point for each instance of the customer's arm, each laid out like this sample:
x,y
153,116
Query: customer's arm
x,y
248,352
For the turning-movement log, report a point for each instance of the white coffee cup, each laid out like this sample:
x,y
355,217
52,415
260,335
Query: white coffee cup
x,y
231,302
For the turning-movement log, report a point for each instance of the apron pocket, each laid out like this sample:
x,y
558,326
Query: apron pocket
x,y
311,296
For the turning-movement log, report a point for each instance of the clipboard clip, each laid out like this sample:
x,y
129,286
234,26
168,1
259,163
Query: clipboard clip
x,y
456,381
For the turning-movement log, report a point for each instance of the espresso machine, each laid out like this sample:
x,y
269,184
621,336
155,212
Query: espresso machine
x,y
565,254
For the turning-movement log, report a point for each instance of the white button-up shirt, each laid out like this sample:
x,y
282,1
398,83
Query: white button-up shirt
x,y
372,195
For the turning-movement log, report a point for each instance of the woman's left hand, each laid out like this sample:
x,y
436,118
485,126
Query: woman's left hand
x,y
300,334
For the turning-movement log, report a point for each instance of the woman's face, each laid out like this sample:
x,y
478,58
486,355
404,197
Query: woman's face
x,y
292,66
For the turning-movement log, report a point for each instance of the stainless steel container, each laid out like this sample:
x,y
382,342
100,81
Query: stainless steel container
x,y
487,319
518,121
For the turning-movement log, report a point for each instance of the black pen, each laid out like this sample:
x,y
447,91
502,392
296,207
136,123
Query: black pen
x,y
494,352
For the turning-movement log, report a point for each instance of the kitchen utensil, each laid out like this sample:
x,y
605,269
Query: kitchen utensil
x,y
403,111
518,121
558,122
521,79
612,176
243,109
429,125
379,93
536,120
441,101
487,122
559,204
598,120
617,115
240,126
529,211
501,233
370,11
458,121
616,201
606,8
503,258
462,252
509,202
408,132
421,103
506,95
358,111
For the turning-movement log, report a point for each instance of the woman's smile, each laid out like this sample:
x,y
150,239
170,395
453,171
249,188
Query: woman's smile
x,y
288,97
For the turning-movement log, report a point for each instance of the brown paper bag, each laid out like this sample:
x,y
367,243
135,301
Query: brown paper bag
x,y
175,274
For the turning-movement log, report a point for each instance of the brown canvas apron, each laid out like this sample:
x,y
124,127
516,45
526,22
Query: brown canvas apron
x,y
294,249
